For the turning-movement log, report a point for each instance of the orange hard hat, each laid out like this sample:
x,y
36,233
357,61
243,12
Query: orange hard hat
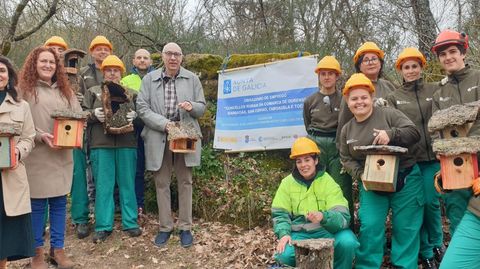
x,y
410,54
328,63
303,146
358,80
368,47
450,37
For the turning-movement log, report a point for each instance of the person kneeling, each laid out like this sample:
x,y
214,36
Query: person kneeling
x,y
309,205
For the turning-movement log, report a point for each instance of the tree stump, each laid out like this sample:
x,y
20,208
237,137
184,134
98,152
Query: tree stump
x,y
314,253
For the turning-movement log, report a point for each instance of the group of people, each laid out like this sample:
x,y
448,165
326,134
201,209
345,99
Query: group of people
x,y
315,200
34,191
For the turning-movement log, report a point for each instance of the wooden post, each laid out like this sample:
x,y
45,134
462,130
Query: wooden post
x,y
314,253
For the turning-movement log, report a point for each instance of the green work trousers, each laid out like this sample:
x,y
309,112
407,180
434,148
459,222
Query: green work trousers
x,y
330,158
79,205
464,248
112,165
456,203
431,234
344,247
407,215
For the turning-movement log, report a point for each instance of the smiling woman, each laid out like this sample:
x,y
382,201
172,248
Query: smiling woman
x,y
50,169
383,126
414,99
309,204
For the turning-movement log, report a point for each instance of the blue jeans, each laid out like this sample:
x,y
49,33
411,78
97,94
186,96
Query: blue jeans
x,y
58,216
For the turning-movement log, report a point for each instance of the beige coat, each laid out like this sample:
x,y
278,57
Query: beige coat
x,y
16,194
49,170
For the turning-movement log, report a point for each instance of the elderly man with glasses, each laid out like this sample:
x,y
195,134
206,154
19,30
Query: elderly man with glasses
x,y
169,95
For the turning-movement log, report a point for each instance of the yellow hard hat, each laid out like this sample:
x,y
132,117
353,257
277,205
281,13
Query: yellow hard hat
x,y
100,40
303,146
112,60
358,80
56,40
368,47
330,63
410,54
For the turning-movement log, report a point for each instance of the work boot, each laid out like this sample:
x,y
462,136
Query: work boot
x,y
438,253
38,262
59,258
429,264
82,230
101,236
135,232
3,264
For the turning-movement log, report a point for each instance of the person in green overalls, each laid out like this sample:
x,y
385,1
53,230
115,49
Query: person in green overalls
x,y
460,86
113,158
320,115
414,99
383,126
309,204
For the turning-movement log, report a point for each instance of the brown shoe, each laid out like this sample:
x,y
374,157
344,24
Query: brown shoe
x,y
3,264
59,257
38,262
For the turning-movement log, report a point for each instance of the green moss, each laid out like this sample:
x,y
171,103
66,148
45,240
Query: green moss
x,y
205,65
239,60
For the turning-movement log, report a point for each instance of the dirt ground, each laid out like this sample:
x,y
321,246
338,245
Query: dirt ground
x,y
216,246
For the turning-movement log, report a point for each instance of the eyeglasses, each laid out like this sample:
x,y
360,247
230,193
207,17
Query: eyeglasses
x,y
174,54
373,60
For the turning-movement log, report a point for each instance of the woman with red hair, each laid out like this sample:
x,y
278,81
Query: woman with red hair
x,y
45,87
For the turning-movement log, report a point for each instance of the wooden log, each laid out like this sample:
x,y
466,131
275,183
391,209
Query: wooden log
x,y
314,253
381,149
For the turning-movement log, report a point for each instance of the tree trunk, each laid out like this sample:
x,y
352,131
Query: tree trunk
x,y
314,253
424,24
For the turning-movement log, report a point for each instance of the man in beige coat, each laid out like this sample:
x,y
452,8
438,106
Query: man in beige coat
x,y
168,95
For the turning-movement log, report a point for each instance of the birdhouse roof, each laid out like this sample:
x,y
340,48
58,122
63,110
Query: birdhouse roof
x,y
69,115
183,130
458,145
456,115
75,52
10,129
381,149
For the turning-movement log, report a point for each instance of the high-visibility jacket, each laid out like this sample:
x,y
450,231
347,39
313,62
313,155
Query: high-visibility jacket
x,y
294,200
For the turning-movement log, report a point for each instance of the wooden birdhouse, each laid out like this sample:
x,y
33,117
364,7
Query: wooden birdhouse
x,y
454,121
183,138
7,144
381,166
116,101
458,161
72,60
68,128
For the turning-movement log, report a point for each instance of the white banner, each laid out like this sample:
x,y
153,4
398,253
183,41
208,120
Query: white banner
x,y
261,107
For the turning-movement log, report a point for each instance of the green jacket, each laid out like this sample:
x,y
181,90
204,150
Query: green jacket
x,y
320,112
95,133
400,129
91,76
460,87
414,99
294,199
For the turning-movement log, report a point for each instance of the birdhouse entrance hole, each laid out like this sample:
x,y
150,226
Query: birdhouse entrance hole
x,y
458,161
381,162
68,127
454,133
